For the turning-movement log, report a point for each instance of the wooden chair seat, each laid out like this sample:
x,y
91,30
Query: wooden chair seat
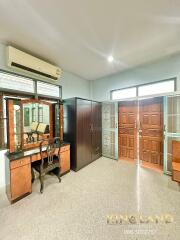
x,y
46,168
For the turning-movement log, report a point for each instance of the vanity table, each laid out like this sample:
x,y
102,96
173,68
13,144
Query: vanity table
x,y
29,122
18,170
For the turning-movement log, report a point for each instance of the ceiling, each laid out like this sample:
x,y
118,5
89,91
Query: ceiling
x,y
79,35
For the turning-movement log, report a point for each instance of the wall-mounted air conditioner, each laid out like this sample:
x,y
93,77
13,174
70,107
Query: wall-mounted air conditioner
x,y
23,61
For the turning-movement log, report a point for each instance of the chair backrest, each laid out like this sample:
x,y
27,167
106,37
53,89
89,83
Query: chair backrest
x,y
49,148
41,127
34,126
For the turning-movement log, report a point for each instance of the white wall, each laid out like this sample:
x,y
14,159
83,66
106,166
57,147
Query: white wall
x,y
72,86
159,70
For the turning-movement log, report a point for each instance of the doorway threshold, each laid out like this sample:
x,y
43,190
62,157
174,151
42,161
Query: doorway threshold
x,y
152,166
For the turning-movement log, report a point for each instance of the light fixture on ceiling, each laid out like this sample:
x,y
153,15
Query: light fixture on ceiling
x,y
110,59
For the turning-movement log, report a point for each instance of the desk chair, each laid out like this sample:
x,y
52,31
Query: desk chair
x,y
50,160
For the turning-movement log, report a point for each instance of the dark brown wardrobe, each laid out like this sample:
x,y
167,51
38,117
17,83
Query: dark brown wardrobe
x,y
83,128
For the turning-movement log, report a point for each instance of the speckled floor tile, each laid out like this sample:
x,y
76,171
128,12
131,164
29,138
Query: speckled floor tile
x,y
77,208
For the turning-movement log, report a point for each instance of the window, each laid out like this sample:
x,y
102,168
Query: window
x,y
13,82
48,89
156,88
124,93
161,87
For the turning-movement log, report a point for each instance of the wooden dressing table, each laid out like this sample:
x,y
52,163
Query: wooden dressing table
x,y
18,170
25,118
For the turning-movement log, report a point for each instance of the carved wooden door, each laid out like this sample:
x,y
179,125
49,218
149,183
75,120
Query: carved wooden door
x,y
151,131
127,141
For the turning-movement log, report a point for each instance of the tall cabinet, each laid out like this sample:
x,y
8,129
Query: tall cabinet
x,y
82,128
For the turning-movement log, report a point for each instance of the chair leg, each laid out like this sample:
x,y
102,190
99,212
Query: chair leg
x,y
41,178
59,174
32,175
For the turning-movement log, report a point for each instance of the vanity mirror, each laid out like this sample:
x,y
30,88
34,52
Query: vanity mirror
x,y
14,125
36,122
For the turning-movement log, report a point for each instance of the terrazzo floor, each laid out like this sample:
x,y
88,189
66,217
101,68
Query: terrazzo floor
x,y
77,208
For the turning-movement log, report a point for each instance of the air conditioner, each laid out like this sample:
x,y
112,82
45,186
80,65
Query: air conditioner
x,y
23,61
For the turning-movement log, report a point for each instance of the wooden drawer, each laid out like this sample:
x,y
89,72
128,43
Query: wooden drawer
x,y
20,162
20,181
35,157
65,148
65,161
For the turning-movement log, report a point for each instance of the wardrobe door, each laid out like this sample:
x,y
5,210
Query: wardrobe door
x,y
83,133
96,131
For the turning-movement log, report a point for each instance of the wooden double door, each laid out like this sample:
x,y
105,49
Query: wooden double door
x,y
141,131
